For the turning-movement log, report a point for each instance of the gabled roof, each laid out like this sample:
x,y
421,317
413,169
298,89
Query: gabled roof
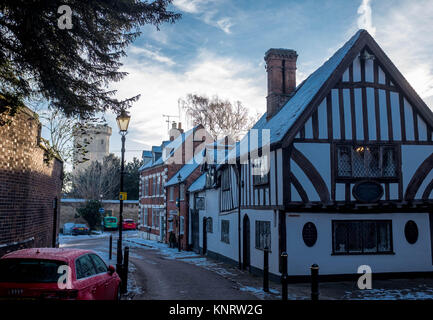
x,y
173,146
198,184
285,123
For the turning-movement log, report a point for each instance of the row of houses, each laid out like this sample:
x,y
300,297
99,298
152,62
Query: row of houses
x,y
337,172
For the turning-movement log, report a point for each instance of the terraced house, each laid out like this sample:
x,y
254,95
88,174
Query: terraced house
x,y
337,172
161,163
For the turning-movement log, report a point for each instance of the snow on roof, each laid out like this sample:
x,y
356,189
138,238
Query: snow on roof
x,y
198,184
169,145
281,122
187,169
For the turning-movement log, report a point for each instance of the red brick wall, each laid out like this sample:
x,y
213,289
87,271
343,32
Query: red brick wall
x,y
184,208
28,186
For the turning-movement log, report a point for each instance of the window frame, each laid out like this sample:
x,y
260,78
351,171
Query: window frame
x,y
76,267
171,195
225,238
257,233
397,153
225,179
364,221
260,181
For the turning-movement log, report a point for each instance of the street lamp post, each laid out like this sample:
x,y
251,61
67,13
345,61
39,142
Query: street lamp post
x,y
179,179
122,122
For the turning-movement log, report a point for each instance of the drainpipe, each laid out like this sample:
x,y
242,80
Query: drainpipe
x,y
238,176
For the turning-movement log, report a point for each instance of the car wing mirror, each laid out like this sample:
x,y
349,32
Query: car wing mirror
x,y
111,269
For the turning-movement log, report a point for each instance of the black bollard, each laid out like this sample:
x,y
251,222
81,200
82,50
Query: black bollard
x,y
125,270
111,246
266,269
314,282
284,276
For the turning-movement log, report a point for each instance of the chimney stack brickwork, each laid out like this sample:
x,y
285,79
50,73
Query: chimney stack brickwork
x,y
281,69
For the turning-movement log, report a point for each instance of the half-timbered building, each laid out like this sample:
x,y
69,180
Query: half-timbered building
x,y
337,172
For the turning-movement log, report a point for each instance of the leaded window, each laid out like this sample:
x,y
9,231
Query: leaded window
x,y
209,225
367,161
260,170
263,234
225,180
225,231
362,236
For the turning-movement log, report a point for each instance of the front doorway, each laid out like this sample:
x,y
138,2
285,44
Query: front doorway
x,y
195,232
246,243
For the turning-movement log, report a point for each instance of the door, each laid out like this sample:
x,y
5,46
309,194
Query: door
x,y
246,243
195,230
88,283
204,236
106,289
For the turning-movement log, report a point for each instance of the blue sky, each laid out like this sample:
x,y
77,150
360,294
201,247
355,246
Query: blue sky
x,y
218,47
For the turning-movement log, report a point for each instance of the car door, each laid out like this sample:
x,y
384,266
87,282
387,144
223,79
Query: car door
x,y
87,278
107,285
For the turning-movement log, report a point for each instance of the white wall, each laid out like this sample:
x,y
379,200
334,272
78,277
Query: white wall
x,y
407,257
256,255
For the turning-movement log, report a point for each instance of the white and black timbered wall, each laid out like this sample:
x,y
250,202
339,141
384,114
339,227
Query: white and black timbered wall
x,y
264,191
365,110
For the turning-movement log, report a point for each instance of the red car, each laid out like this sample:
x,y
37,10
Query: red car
x,y
35,274
129,224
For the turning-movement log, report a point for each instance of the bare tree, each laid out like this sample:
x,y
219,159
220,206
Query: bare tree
x,y
219,116
97,179
60,132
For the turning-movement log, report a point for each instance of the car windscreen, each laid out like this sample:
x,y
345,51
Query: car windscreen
x,y
29,270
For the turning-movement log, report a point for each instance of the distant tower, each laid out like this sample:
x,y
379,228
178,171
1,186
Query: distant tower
x,y
95,139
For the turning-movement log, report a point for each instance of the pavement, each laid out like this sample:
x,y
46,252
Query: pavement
x,y
157,272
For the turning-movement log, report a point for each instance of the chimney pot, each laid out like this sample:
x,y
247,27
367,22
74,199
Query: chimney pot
x,y
281,69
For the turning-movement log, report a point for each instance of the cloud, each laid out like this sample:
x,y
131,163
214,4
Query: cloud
x,y
154,55
404,34
161,87
205,10
225,24
364,19
190,6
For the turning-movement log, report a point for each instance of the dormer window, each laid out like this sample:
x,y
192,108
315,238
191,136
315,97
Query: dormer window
x,y
366,161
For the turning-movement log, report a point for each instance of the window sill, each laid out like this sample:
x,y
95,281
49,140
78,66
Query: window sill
x,y
261,185
361,253
270,251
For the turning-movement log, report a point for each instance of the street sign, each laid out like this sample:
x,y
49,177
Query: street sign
x,y
122,196
101,210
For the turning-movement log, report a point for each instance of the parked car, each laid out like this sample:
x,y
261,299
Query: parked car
x,y
80,228
129,224
110,223
33,274
67,228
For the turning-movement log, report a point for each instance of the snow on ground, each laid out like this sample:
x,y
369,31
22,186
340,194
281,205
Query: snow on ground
x,y
200,261
421,292
69,238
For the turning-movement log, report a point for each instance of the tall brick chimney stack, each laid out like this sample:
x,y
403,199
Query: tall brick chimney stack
x,y
281,69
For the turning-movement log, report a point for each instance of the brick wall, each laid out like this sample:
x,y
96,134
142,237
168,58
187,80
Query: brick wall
x,y
29,187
